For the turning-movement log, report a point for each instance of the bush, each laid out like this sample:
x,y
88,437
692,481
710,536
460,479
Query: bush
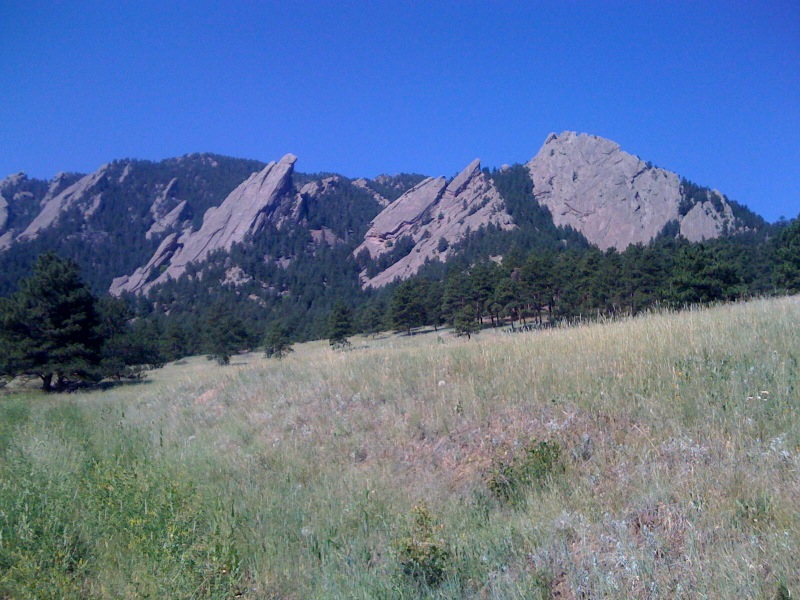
x,y
510,478
424,557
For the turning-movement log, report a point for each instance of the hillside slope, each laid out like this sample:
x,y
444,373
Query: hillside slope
x,y
671,468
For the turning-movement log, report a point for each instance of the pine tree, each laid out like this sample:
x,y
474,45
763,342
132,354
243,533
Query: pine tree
x,y
372,317
129,348
466,322
786,254
407,308
276,342
340,325
48,328
225,334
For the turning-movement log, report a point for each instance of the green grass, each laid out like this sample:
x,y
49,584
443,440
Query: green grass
x,y
676,476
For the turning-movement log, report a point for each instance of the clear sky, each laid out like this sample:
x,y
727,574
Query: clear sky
x,y
709,90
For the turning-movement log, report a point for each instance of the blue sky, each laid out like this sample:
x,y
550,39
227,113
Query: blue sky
x,y
709,90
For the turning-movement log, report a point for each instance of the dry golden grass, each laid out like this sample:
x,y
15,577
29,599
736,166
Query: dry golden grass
x,y
679,433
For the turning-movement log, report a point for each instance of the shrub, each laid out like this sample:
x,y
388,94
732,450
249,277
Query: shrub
x,y
423,556
510,478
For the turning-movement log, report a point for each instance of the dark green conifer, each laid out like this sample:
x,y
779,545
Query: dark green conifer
x,y
49,327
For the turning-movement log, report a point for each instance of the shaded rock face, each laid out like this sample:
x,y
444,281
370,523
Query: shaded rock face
x,y
169,221
82,193
9,185
704,221
432,211
612,197
3,214
22,199
243,212
164,217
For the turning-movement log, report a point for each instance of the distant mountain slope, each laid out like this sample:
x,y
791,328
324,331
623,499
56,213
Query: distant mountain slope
x,y
22,198
135,225
240,214
110,221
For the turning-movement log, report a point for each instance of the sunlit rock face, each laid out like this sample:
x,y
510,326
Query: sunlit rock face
x,y
432,211
614,198
243,212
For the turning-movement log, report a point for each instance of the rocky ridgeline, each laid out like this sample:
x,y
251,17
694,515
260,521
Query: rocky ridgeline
x,y
243,212
62,192
615,199
432,211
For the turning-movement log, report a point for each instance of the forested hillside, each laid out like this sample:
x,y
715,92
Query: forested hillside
x,y
110,236
306,246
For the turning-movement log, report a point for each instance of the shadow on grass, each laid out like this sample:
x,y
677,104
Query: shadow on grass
x,y
109,385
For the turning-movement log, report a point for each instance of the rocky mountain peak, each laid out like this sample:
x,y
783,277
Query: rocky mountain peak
x,y
427,220
243,212
13,180
612,197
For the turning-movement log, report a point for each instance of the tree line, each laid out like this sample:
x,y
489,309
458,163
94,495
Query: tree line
x,y
54,328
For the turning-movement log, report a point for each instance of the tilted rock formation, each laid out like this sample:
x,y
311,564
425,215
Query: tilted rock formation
x,y
364,185
57,201
704,221
160,206
243,212
168,221
18,195
3,214
429,212
614,198
165,218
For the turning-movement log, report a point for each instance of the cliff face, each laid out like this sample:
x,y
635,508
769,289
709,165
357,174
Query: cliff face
x,y
81,194
243,212
135,224
432,211
3,214
614,198
23,200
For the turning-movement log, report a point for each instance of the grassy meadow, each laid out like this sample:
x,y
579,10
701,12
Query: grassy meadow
x,y
655,457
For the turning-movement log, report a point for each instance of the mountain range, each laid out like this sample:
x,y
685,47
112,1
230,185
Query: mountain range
x,y
135,225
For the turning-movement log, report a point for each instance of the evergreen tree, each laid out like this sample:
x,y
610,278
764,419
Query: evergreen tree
x,y
48,328
175,339
276,342
407,307
340,325
505,300
702,275
372,317
465,322
432,301
129,348
225,334
786,254
458,293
